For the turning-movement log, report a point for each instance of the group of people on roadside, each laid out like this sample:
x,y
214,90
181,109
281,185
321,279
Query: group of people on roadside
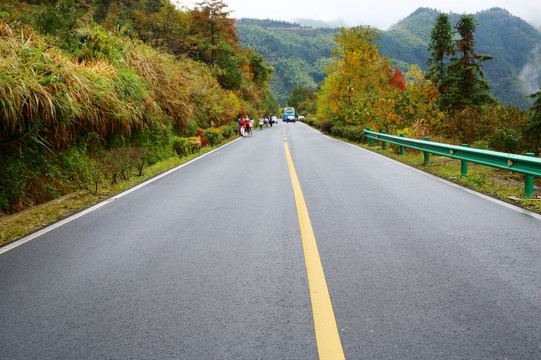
x,y
246,126
267,121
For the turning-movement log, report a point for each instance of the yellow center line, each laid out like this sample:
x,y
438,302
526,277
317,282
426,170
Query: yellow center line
x,y
328,341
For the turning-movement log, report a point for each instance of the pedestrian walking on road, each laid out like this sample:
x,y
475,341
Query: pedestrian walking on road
x,y
241,127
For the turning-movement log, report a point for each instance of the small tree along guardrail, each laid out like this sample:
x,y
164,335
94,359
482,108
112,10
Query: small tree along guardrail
x,y
527,164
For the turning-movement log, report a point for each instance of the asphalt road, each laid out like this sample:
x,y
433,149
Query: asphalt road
x,y
207,263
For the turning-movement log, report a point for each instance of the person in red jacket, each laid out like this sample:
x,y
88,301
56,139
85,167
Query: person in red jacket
x,y
241,127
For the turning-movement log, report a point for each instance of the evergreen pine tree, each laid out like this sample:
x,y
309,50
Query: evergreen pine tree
x,y
467,86
442,49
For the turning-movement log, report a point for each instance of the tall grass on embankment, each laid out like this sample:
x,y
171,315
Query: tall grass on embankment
x,y
62,113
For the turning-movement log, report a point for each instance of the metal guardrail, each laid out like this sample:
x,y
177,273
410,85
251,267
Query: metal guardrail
x,y
527,164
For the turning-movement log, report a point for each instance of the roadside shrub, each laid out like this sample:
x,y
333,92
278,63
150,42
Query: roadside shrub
x,y
78,167
14,175
355,133
138,158
195,144
467,126
213,136
157,144
338,131
505,140
227,131
352,133
316,123
191,128
118,164
234,126
180,145
326,126
481,144
201,134
28,179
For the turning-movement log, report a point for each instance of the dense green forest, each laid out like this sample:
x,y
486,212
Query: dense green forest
x,y
299,54
93,91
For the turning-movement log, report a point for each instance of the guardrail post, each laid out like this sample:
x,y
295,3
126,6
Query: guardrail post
x,y
383,143
528,182
427,154
370,140
401,147
464,165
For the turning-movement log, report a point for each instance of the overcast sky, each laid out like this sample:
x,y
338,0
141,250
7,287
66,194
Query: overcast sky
x,y
380,13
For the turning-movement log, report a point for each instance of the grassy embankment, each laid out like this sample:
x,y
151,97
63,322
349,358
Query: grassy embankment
x,y
29,220
78,125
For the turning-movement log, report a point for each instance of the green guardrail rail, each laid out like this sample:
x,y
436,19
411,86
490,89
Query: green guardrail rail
x,y
527,164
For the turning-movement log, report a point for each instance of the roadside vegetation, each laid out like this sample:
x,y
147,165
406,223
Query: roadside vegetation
x,y
32,218
451,103
98,95
95,92
300,53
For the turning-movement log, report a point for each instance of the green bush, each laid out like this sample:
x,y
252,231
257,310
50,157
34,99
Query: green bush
x,y
77,167
181,145
213,136
234,127
481,144
191,128
58,19
28,179
157,144
227,131
505,140
352,133
13,178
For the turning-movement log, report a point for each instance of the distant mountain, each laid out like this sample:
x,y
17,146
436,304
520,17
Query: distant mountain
x,y
299,53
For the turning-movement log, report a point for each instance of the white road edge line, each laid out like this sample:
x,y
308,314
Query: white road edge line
x,y
70,218
458,186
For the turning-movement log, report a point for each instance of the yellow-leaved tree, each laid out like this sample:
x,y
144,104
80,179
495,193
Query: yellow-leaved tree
x,y
361,89
419,105
352,93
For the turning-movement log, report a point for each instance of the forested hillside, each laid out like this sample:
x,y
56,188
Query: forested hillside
x,y
298,54
514,44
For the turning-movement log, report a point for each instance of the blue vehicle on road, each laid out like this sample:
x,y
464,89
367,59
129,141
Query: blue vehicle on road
x,y
289,115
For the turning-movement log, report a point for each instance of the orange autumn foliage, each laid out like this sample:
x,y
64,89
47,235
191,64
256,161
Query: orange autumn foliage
x,y
397,80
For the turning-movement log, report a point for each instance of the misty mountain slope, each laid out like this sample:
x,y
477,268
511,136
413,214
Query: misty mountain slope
x,y
299,54
512,42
